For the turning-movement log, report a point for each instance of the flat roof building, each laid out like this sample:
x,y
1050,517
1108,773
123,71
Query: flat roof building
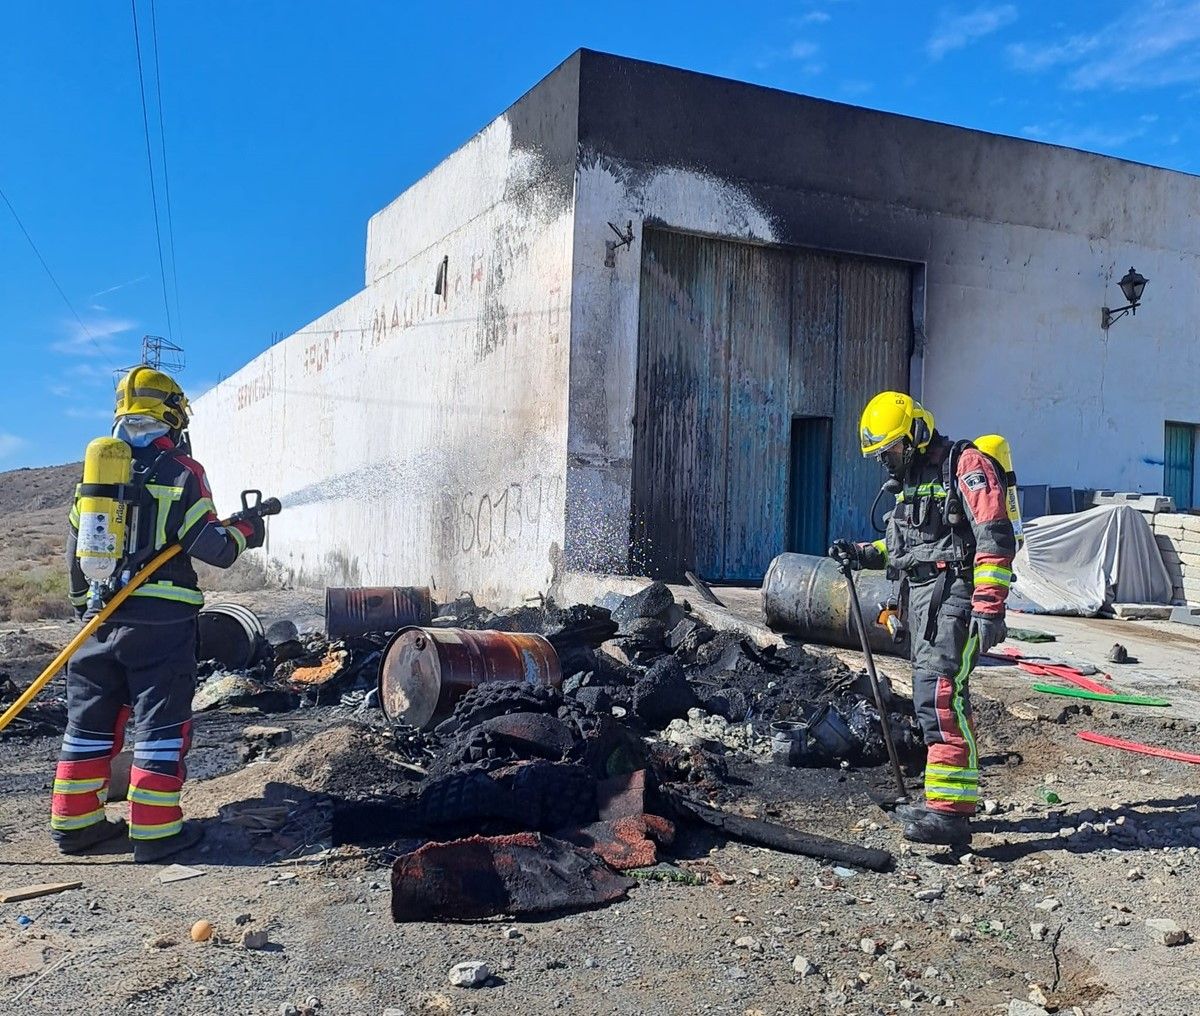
x,y
631,323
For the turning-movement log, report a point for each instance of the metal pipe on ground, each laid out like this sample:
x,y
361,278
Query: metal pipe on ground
x,y
807,596
357,611
778,837
425,671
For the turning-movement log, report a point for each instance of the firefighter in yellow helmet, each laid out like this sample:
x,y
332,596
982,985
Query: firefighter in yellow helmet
x,y
951,542
141,663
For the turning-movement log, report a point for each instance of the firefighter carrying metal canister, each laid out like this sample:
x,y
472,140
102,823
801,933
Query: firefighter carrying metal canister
x,y
142,662
951,541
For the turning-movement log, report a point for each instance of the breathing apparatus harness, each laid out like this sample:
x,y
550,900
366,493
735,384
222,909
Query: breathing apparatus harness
x,y
121,503
953,518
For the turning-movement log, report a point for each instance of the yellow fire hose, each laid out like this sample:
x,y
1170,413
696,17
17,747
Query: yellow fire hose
x,y
269,507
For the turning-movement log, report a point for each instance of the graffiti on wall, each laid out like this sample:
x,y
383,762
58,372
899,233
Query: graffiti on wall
x,y
498,519
254,390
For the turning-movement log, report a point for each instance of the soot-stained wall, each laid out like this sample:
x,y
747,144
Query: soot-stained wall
x,y
1017,244
419,437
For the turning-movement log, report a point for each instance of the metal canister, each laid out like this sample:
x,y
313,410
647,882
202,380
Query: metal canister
x,y
357,611
426,670
789,742
808,596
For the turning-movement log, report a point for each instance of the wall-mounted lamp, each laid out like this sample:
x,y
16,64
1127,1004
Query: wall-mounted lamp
x,y
1132,283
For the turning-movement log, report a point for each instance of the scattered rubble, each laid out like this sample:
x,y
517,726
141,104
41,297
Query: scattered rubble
x,y
804,966
255,939
472,974
1164,931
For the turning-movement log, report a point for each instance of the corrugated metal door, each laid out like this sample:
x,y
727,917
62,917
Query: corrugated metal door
x,y
1178,463
756,460
875,334
735,343
681,410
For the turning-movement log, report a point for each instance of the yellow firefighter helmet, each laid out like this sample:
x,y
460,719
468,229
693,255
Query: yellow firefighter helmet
x,y
145,391
890,416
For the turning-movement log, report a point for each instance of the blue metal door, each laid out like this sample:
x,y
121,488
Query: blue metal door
x,y
1179,478
808,501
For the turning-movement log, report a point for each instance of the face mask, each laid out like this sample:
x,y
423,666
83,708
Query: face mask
x,y
139,431
895,459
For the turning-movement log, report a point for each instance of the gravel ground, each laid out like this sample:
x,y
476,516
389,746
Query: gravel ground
x,y
1052,904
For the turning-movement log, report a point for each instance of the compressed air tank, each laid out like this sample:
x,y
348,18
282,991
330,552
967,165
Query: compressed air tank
x,y
998,448
107,464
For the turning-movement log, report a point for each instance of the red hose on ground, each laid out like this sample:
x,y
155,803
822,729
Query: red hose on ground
x,y
1141,749
1066,674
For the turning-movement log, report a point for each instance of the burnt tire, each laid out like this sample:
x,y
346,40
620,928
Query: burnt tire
x,y
499,698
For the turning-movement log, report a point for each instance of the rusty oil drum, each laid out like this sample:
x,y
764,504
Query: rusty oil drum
x,y
357,611
425,671
807,596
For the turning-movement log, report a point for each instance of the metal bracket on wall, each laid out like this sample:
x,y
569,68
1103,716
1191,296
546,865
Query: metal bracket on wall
x,y
441,285
624,239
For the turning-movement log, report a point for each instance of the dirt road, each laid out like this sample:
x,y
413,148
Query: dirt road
x,y
1054,899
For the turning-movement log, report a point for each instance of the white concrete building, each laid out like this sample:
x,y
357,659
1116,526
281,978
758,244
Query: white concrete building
x,y
631,323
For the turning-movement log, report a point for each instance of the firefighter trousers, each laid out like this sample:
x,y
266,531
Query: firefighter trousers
x,y
942,666
147,671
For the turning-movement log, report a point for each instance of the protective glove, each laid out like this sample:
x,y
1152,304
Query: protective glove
x,y
991,631
258,532
847,554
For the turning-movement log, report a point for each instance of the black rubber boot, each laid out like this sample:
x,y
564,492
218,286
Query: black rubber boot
x,y
910,812
941,827
80,841
152,851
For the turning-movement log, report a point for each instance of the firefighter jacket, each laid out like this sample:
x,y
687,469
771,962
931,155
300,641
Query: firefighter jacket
x,y
974,538
175,505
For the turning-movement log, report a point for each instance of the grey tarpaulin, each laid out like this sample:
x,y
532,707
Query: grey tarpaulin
x,y
1084,563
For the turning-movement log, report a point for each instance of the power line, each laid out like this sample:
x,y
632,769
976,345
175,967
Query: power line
x,y
162,271
38,253
162,138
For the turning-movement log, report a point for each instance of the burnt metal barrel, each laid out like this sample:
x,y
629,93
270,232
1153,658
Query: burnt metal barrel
x,y
807,596
425,671
230,634
357,611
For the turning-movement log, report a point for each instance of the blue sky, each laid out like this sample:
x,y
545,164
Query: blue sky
x,y
288,124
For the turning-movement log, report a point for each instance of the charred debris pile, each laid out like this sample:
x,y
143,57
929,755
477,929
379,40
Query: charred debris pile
x,y
542,752
530,758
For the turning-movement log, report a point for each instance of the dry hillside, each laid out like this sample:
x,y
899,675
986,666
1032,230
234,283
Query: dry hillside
x,y
33,521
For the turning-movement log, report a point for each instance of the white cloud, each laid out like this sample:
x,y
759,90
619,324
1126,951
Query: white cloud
x,y
856,86
1032,58
90,371
802,50
197,387
1089,138
10,444
119,285
1155,45
81,413
98,336
814,18
956,31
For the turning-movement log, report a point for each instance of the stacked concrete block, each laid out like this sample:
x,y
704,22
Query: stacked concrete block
x,y
1147,504
1178,538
